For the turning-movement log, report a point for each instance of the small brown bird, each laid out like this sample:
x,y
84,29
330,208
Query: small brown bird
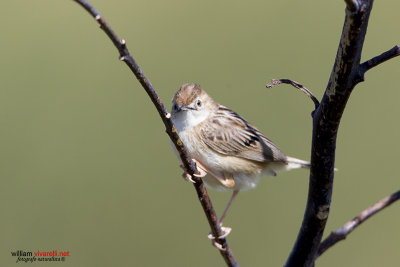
x,y
224,145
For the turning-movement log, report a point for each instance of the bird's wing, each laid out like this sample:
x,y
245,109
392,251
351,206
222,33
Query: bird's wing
x,y
228,133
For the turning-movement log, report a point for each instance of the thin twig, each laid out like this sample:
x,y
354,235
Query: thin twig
x,y
190,166
373,62
349,227
296,85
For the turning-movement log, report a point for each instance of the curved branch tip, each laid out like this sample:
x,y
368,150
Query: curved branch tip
x,y
296,85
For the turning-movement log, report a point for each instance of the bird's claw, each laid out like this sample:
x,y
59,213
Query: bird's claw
x,y
218,245
187,177
200,172
225,232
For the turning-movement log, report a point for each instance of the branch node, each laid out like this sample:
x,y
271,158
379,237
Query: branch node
x,y
352,5
360,77
168,115
122,58
375,61
123,43
98,20
323,212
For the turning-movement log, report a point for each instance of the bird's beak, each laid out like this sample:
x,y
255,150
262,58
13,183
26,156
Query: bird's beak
x,y
184,107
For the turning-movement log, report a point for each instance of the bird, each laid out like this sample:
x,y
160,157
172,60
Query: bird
x,y
229,152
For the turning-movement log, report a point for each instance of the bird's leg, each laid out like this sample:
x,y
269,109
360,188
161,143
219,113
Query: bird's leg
x,y
225,230
235,192
200,172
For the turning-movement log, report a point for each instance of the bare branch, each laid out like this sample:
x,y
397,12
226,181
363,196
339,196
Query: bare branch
x,y
349,227
296,85
190,166
326,121
373,62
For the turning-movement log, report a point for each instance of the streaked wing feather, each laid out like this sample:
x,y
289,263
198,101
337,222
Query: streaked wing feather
x,y
230,134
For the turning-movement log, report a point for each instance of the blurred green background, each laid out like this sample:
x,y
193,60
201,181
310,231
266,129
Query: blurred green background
x,y
86,165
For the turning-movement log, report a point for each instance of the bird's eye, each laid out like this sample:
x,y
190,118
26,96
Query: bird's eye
x,y
175,107
198,103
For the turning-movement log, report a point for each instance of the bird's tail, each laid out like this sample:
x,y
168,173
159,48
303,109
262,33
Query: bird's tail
x,y
294,163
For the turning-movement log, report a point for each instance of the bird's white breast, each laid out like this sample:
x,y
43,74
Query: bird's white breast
x,y
214,161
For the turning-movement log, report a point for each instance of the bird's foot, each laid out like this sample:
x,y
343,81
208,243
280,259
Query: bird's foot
x,y
200,172
225,232
218,245
186,176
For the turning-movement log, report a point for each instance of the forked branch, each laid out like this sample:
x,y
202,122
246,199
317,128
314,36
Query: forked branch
x,y
373,62
326,119
190,166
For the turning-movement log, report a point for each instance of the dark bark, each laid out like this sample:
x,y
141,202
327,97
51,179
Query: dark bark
x,y
348,227
326,121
